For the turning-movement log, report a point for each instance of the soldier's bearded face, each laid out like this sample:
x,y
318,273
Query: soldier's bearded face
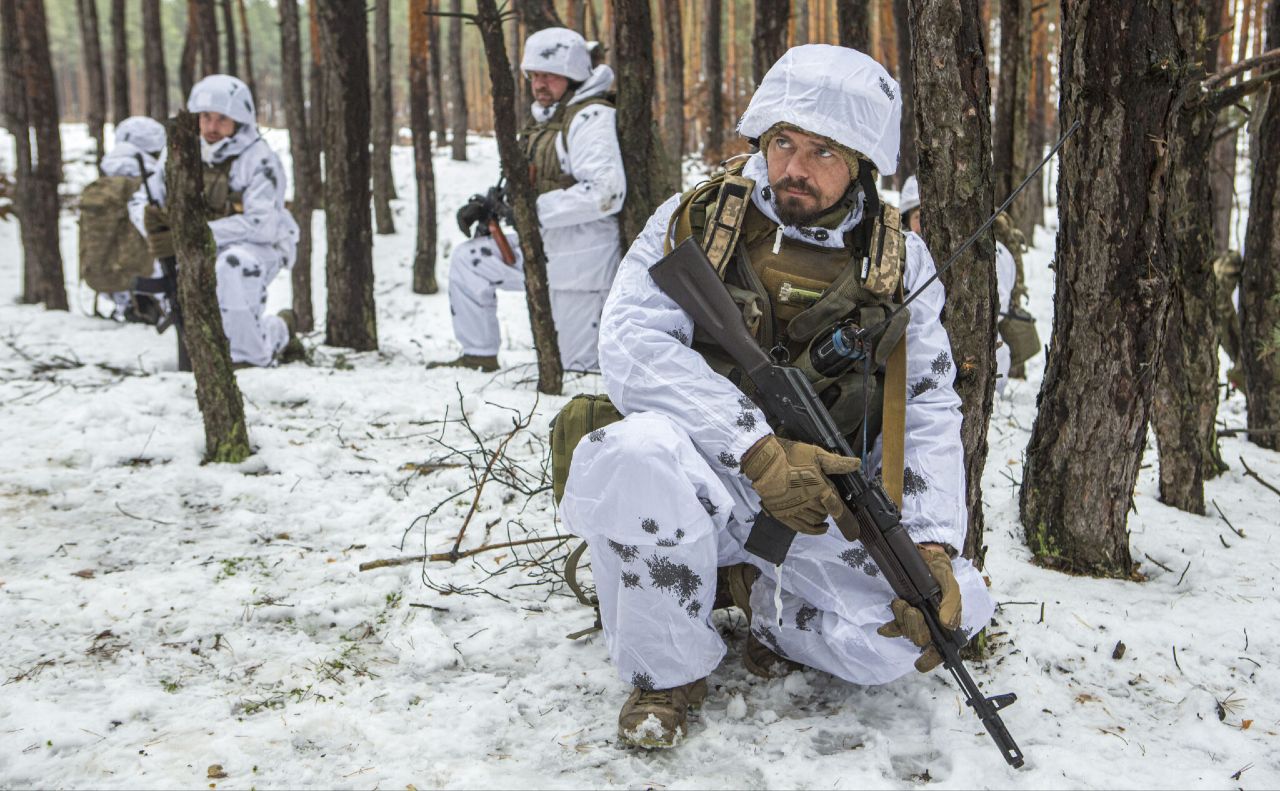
x,y
806,176
215,127
547,88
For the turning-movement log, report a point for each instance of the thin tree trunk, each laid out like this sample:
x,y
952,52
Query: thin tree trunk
x,y
229,31
538,15
908,160
420,100
769,39
17,122
1186,401
439,120
40,204
305,176
226,437
1260,274
649,175
712,76
515,166
190,52
1112,289
207,38
350,317
316,121
156,78
96,114
248,50
382,126
673,117
952,107
1037,131
1009,154
854,24
457,85
119,63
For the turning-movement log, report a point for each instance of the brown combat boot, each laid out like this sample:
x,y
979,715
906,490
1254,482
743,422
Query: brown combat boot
x,y
479,362
293,351
656,718
758,658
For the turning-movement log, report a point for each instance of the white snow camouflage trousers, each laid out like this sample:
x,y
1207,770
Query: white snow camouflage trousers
x,y
659,520
477,273
244,271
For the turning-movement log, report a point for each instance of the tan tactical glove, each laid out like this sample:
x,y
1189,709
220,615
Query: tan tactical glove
x,y
791,480
159,238
909,622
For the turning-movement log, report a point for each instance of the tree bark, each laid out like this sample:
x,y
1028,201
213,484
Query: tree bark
x,y
712,76
226,438
16,121
651,178
190,53
382,125
952,108
673,82
1260,273
305,177
515,167
1037,131
351,320
1009,154
40,203
156,79
420,99
457,85
769,39
96,114
316,121
439,120
1112,288
248,50
229,32
853,23
119,63
538,15
206,41
908,160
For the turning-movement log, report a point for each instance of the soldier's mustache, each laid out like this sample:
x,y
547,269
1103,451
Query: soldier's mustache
x,y
789,183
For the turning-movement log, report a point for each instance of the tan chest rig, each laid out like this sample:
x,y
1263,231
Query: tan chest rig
x,y
797,296
221,200
540,145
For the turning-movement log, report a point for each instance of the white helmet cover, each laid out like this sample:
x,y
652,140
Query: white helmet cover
x,y
222,93
146,133
836,92
910,198
557,50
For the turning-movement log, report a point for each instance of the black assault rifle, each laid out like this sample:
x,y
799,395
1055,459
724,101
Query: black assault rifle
x,y
166,284
792,406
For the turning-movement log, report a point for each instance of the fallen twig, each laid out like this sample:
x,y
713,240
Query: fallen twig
x,y
1250,472
453,556
1158,563
1184,572
1225,519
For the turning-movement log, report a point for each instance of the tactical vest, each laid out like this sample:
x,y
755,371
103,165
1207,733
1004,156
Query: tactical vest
x,y
221,200
540,145
798,295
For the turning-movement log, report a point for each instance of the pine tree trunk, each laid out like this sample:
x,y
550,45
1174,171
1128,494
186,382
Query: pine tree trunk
x,y
316,121
96,114
1113,290
854,24
350,316
226,438
206,40
673,81
439,120
16,121
119,63
1260,275
156,79
1009,154
1037,130
649,173
769,39
420,100
538,15
305,177
229,31
40,204
382,127
187,64
952,107
908,160
712,79
457,85
800,25
248,50
515,166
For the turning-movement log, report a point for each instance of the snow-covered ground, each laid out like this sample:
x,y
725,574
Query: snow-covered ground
x,y
162,616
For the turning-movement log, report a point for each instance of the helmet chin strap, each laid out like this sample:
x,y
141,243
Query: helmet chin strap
x,y
867,180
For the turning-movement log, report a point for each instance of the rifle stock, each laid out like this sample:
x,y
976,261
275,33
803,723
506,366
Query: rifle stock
x,y
792,406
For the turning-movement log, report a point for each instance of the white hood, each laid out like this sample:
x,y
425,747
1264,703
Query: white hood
x,y
597,83
221,93
835,92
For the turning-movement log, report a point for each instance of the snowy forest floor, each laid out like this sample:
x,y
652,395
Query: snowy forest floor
x,y
162,616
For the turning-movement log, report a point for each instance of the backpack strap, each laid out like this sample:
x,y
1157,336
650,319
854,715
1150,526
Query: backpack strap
x,y
571,578
893,424
718,210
